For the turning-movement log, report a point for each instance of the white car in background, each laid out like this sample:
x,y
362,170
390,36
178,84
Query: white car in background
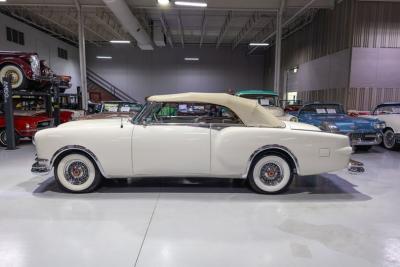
x,y
269,100
190,135
390,114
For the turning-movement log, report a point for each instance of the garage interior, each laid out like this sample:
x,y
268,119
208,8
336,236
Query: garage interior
x,y
309,51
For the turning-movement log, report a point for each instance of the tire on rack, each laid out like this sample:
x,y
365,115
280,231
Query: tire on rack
x,y
19,80
270,173
3,138
389,141
77,173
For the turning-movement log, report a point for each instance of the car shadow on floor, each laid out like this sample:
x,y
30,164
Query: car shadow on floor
x,y
329,187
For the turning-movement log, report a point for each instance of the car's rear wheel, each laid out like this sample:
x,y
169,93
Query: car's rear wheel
x,y
389,140
18,79
76,173
3,138
270,174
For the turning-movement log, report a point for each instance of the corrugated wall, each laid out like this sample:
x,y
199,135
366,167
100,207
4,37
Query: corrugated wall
x,y
350,24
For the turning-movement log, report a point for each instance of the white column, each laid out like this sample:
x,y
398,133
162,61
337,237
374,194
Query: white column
x,y
278,44
82,56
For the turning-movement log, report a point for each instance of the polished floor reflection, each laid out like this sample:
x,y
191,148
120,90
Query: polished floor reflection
x,y
336,219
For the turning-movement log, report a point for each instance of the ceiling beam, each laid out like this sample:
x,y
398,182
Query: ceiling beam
x,y
181,29
246,29
203,28
166,29
73,16
105,20
224,28
286,23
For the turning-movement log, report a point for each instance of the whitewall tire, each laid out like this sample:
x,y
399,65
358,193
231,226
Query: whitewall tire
x,y
77,173
18,81
270,174
389,140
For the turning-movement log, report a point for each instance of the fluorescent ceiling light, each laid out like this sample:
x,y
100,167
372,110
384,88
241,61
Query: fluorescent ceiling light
x,y
120,41
3,0
103,57
195,4
163,2
259,44
192,59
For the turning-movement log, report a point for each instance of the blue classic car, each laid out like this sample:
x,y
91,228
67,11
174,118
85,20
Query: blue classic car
x,y
363,132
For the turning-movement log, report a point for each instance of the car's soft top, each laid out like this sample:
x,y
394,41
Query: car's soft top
x,y
249,111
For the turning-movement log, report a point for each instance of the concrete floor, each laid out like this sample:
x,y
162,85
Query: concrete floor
x,y
336,219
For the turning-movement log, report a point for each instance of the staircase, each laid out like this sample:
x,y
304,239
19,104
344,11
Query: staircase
x,y
96,83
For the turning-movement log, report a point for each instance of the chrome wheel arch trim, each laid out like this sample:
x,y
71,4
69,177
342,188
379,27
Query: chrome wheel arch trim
x,y
79,148
271,147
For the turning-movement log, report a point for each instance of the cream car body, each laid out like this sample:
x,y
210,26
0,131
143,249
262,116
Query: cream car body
x,y
138,148
390,114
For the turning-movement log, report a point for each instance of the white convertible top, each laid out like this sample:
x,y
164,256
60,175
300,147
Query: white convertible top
x,y
249,111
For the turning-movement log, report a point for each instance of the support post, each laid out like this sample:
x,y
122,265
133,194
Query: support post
x,y
82,56
56,104
278,47
9,113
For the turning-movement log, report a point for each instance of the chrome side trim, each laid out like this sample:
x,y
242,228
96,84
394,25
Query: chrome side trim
x,y
80,148
269,147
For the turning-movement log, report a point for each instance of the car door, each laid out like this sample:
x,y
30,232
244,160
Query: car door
x,y
171,147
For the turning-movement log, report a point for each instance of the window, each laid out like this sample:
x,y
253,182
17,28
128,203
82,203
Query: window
x,y
392,109
15,36
183,112
62,53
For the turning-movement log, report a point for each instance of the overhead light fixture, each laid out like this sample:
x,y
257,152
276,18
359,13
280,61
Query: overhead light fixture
x,y
103,57
295,70
186,3
192,59
3,0
259,44
163,2
120,41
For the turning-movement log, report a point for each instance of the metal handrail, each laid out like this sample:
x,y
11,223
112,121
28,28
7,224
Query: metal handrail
x,y
100,81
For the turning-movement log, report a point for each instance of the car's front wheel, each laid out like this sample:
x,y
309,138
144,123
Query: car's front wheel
x,y
270,174
18,79
389,140
3,138
76,173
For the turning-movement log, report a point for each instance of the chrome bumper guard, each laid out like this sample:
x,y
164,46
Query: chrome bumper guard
x,y
355,167
368,139
40,166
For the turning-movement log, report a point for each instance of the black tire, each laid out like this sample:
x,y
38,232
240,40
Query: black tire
x,y
389,141
281,171
362,148
87,170
3,138
20,82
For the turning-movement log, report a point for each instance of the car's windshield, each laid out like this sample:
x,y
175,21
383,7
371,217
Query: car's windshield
x,y
263,100
322,109
388,109
121,107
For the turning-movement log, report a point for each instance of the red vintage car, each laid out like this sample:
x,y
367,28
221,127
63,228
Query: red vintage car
x,y
25,126
28,72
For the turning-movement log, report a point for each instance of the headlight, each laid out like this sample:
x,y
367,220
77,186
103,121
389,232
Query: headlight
x,y
35,65
294,119
379,125
329,127
27,126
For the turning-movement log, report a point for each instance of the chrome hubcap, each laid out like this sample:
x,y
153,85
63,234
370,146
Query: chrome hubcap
x,y
14,76
76,173
271,174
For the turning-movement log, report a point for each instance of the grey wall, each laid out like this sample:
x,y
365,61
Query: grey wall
x,y
331,71
144,73
45,45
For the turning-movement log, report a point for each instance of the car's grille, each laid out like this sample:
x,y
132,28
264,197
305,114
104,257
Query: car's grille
x,y
44,124
363,136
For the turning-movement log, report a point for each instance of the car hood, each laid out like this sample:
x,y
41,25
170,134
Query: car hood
x,y
301,126
343,122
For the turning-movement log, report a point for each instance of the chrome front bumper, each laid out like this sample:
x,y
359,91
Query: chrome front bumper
x,y
40,166
368,139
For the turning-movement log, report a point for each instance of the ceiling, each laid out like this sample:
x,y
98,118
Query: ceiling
x,y
223,23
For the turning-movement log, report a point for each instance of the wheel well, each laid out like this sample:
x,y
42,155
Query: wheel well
x,y
387,128
278,152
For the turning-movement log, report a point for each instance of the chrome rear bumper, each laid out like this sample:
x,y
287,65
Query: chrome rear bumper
x,y
368,139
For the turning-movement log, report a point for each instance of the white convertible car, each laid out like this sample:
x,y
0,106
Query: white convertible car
x,y
190,135
390,114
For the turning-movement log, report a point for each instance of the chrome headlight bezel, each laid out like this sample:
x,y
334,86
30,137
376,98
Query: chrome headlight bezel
x,y
379,125
294,119
35,65
329,127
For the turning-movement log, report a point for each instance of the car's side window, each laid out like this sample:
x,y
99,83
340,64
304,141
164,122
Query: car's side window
x,y
185,113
